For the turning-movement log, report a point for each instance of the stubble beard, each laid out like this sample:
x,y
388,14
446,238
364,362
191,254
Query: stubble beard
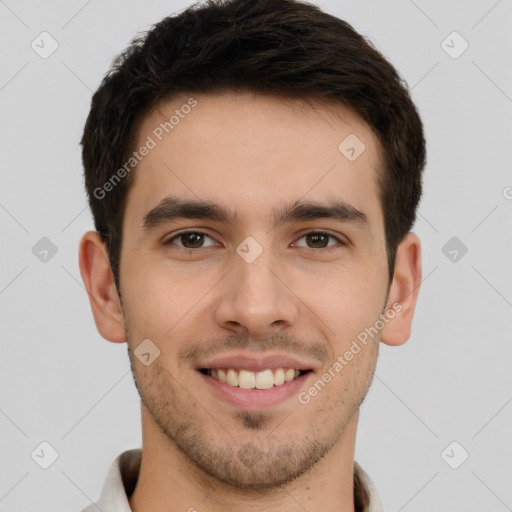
x,y
255,459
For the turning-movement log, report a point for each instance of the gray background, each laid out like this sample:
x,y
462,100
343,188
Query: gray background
x,y
63,384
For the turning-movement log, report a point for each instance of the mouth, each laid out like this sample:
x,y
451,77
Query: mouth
x,y
254,390
248,379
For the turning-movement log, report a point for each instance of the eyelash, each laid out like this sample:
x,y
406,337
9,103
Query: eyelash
x,y
190,250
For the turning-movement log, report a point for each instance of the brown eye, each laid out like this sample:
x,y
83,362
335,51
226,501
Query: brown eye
x,y
319,240
194,239
189,240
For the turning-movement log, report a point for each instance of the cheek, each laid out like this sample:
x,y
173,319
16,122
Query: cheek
x,y
149,303
164,305
158,291
346,301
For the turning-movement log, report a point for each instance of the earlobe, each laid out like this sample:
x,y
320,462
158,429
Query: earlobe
x,y
99,283
403,293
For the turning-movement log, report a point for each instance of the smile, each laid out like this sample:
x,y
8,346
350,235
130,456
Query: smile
x,y
247,379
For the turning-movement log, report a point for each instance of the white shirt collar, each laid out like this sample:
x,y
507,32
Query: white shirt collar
x,y
124,471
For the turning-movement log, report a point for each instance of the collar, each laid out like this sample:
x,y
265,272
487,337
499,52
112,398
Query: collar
x,y
124,472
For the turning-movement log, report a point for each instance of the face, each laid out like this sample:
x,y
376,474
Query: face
x,y
278,266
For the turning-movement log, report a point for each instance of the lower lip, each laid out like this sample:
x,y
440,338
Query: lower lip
x,y
253,399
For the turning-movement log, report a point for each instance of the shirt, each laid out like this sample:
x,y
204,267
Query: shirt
x,y
124,472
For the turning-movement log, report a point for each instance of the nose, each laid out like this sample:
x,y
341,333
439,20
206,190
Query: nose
x,y
255,298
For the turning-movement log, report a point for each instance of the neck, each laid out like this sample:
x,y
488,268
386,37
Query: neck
x,y
168,480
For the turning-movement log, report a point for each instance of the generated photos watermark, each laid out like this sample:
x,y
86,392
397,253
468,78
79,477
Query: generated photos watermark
x,y
355,348
158,133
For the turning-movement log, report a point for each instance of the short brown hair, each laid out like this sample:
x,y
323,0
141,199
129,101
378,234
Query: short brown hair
x,y
284,48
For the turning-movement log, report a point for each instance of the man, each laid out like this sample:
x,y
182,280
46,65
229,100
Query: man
x,y
253,168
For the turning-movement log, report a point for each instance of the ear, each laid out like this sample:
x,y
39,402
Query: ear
x,y
99,283
403,292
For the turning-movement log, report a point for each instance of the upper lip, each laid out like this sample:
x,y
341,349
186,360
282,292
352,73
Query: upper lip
x,y
256,364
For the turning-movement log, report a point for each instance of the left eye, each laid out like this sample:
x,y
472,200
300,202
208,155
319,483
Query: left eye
x,y
319,239
194,239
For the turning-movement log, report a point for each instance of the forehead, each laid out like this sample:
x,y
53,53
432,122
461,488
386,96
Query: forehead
x,y
247,151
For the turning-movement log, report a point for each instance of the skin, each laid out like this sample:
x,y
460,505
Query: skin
x,y
251,154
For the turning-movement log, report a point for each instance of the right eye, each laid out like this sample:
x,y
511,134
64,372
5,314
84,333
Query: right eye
x,y
195,239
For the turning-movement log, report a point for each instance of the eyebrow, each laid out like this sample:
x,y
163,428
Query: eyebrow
x,y
172,208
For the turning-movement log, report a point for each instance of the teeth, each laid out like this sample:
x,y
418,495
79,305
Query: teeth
x,y
279,377
264,379
232,379
289,375
247,379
